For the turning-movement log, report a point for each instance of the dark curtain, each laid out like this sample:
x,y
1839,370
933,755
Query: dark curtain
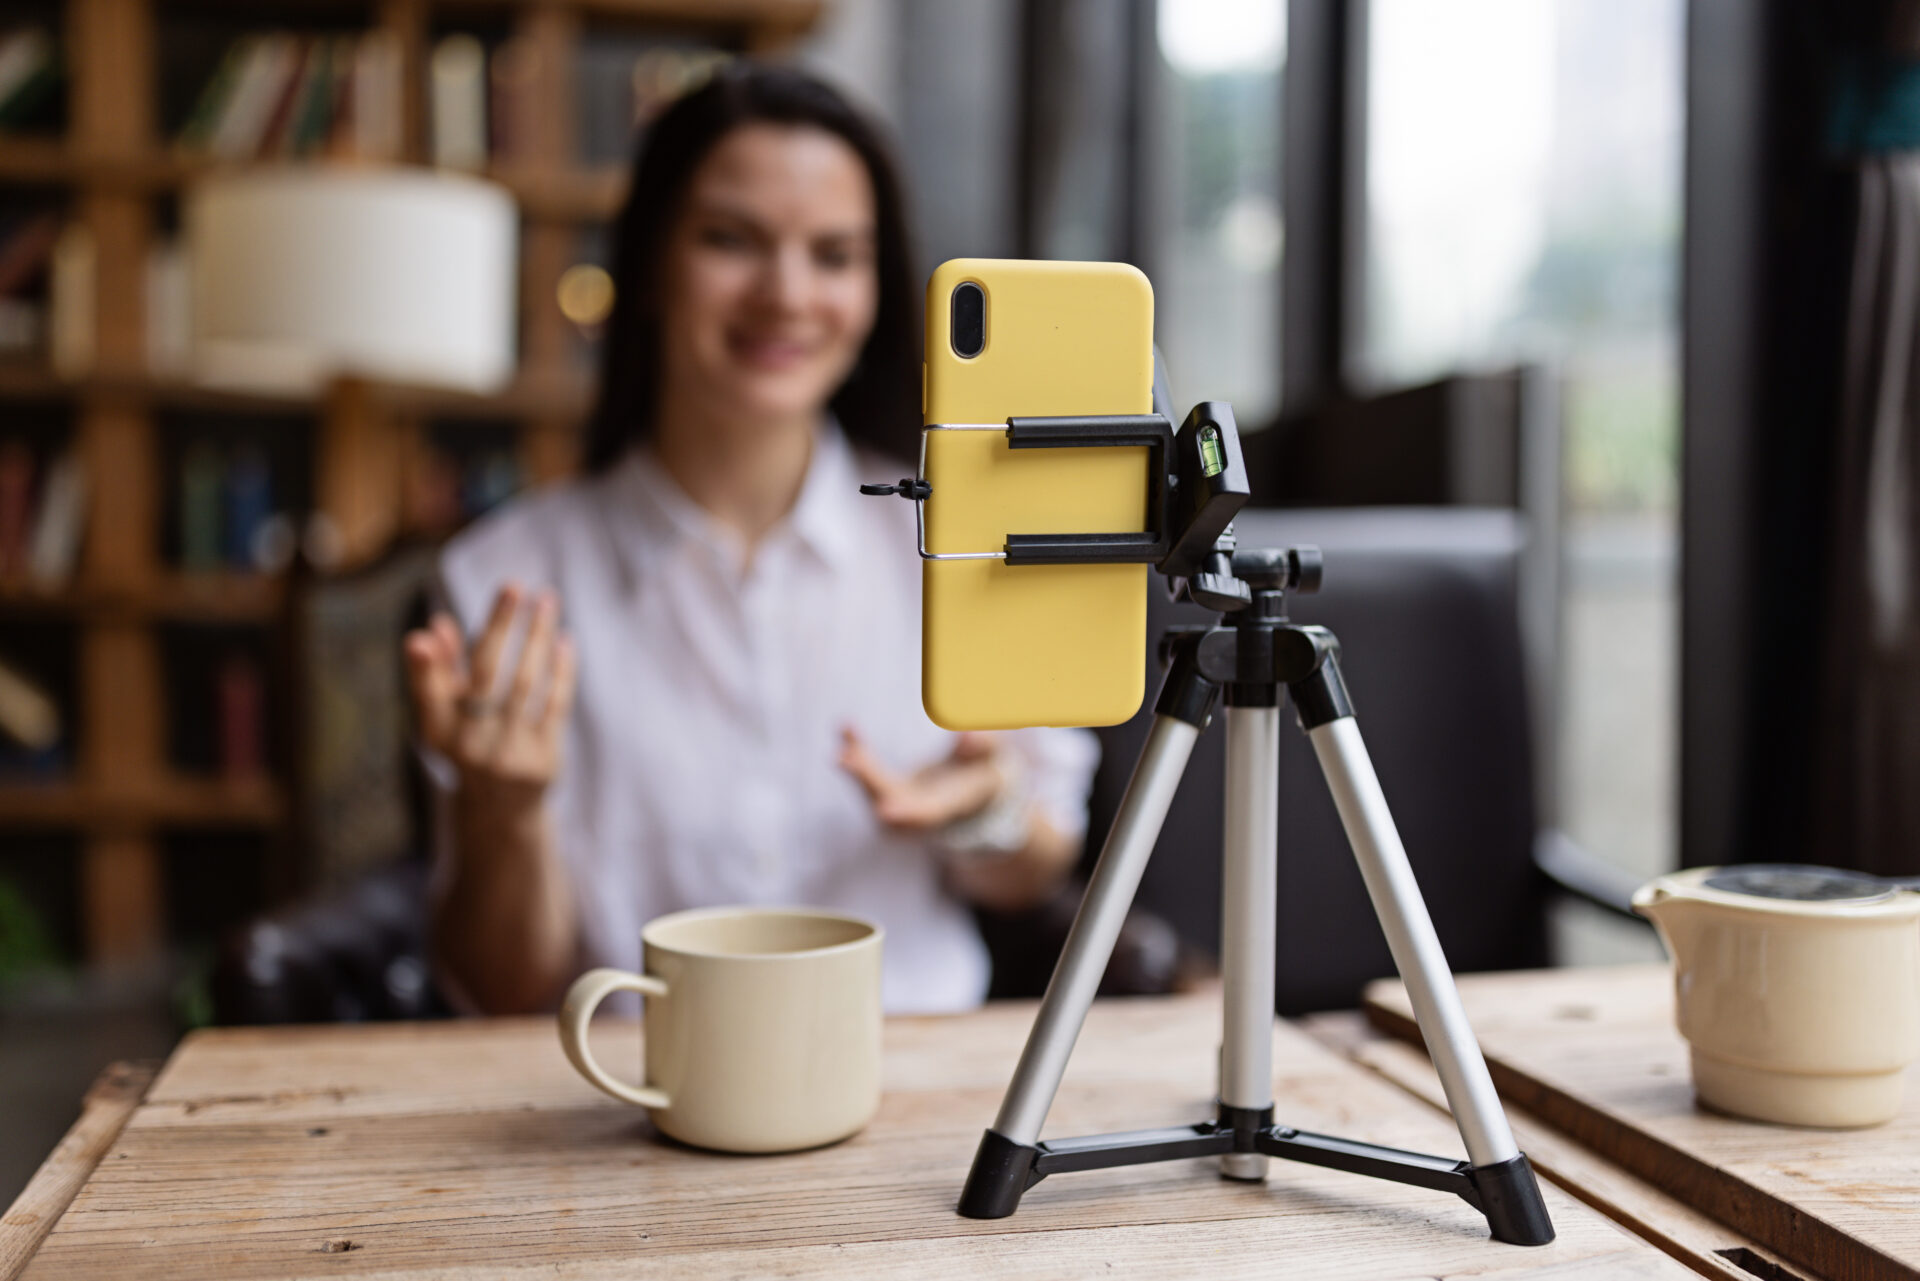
x,y
1801,561
1866,809
1869,798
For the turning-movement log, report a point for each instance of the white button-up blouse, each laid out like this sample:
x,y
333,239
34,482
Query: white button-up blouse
x,y
700,762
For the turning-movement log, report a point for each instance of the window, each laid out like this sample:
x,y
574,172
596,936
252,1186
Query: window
x,y
1216,254
1524,206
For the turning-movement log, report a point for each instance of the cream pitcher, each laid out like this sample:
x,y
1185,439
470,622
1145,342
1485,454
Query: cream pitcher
x,y
1797,988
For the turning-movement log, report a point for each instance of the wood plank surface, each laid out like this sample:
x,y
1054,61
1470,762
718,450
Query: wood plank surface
x,y
1710,1248
1596,1054
103,1112
470,1149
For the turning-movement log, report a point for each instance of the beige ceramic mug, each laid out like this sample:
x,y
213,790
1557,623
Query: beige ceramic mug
x,y
1797,989
762,1027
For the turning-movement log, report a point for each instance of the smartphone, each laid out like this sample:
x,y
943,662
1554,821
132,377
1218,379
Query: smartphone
x,y
1010,646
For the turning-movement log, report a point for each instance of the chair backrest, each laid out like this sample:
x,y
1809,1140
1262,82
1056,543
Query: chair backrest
x,y
1424,603
1475,438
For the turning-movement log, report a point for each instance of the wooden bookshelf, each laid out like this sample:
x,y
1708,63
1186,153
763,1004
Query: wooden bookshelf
x,y
118,174
222,597
175,800
565,393
558,196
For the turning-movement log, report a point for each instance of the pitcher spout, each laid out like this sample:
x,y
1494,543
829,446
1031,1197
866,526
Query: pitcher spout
x,y
1660,901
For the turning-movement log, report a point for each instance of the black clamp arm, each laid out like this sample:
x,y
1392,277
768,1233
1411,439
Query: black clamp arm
x,y
1200,464
1097,432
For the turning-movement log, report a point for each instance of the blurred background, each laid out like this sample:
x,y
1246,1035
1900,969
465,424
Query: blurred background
x,y
1582,262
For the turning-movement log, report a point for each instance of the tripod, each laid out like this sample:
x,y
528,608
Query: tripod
x,y
1197,482
1253,654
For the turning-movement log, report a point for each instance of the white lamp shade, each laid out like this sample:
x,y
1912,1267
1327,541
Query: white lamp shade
x,y
302,274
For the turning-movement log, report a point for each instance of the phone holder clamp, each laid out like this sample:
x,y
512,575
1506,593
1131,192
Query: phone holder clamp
x,y
1196,481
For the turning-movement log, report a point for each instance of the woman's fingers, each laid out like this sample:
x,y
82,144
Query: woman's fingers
x,y
487,651
507,737
874,777
446,631
535,657
434,685
553,718
975,745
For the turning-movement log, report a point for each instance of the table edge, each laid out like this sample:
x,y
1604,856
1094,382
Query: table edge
x,y
105,1109
1811,1242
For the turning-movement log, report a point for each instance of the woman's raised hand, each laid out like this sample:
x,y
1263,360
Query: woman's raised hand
x,y
501,729
944,792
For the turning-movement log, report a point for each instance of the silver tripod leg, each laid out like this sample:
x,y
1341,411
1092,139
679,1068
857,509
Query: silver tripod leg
x,y
1415,947
1250,887
1123,860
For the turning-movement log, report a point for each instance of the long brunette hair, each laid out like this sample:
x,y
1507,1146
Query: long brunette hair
x,y
878,404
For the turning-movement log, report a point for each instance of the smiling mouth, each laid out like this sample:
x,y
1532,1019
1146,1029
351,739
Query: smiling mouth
x,y
772,353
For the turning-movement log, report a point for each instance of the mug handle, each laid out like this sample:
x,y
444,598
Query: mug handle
x,y
583,998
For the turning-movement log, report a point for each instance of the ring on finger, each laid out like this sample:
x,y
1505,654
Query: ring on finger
x,y
475,706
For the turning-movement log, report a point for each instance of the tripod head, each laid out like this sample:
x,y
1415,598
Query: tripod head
x,y
1205,564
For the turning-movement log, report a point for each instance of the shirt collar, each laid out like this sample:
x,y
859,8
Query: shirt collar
x,y
649,514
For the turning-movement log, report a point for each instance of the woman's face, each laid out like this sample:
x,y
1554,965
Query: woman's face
x,y
770,276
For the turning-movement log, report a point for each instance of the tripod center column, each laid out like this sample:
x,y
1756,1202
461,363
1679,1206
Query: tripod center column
x,y
1250,883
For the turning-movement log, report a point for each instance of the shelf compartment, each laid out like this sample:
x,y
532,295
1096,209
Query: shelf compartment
x,y
176,800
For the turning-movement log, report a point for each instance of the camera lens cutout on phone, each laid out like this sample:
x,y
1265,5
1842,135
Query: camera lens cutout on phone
x,y
969,327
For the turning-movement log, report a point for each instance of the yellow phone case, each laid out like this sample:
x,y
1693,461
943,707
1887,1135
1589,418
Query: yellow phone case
x,y
1012,646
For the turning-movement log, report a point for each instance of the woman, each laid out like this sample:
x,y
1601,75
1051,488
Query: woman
x,y
730,711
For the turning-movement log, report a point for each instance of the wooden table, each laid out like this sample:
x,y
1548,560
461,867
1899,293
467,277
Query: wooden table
x,y
470,1149
1595,1054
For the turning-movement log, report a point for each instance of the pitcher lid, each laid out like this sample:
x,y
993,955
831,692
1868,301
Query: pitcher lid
x,y
1791,889
1799,882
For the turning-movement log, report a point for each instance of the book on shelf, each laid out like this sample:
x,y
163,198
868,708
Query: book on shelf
x,y
240,120
249,494
240,704
53,549
457,80
16,505
30,721
72,301
226,511
513,80
42,514
26,247
196,135
313,103
200,483
286,88
22,326
30,75
169,310
280,95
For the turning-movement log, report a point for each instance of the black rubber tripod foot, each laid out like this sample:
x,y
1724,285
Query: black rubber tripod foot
x,y
1509,1196
1002,1172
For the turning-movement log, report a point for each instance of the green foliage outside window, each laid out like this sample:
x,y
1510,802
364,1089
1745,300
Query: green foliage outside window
x,y
25,944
